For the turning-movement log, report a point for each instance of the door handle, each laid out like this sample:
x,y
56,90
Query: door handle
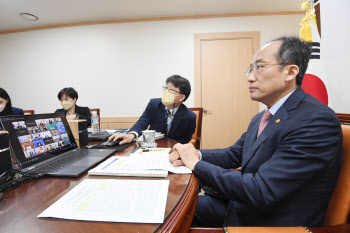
x,y
206,110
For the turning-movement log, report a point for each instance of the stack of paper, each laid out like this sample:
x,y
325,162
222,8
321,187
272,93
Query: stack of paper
x,y
113,201
155,161
119,166
152,150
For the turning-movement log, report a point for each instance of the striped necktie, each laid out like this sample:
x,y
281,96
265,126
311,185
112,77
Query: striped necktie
x,y
264,120
167,113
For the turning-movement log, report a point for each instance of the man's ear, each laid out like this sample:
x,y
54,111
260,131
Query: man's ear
x,y
291,72
182,98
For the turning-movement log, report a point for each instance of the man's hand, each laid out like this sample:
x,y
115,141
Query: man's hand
x,y
187,153
175,158
126,138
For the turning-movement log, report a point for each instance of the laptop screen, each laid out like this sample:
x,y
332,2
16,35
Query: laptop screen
x,y
36,138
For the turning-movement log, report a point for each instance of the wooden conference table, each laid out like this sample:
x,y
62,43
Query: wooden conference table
x,y
342,228
20,206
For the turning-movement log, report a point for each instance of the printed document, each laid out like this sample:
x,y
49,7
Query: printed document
x,y
136,201
152,150
118,166
155,161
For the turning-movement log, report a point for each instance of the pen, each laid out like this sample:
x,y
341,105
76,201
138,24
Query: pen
x,y
151,149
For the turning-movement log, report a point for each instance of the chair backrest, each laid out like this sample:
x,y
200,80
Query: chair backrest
x,y
28,112
196,137
339,205
97,110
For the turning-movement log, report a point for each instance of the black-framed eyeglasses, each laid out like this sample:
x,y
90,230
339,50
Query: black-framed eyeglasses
x,y
170,90
258,66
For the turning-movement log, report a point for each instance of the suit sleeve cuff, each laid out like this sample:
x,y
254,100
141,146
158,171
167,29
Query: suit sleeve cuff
x,y
200,168
136,135
200,154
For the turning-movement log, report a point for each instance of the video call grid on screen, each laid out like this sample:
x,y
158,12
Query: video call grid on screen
x,y
41,135
36,138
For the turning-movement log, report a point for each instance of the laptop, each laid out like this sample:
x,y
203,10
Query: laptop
x,y
44,144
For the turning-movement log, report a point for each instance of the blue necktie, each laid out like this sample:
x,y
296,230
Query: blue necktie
x,y
167,113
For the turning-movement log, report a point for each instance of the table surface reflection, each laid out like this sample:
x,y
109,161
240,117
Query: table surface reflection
x,y
20,206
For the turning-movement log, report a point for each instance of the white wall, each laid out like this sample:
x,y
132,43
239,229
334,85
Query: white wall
x,y
335,52
114,67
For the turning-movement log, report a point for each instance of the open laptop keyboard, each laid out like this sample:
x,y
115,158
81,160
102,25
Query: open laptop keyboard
x,y
69,158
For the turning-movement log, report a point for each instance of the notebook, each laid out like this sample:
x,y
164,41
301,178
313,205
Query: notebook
x,y
44,143
119,166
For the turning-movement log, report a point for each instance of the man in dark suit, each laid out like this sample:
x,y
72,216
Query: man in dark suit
x,y
167,115
290,155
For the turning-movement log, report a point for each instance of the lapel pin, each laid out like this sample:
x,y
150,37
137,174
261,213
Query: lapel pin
x,y
278,121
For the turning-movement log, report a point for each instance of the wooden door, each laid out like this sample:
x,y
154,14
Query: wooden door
x,y
221,85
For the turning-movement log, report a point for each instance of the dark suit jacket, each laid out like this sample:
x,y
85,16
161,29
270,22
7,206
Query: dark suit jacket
x,y
288,173
17,111
181,129
83,112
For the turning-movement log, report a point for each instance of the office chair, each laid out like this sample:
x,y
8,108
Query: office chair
x,y
28,112
196,137
339,205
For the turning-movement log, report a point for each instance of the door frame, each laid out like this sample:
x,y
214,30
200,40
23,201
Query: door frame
x,y
198,38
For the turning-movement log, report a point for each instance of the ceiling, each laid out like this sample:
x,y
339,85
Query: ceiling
x,y
55,12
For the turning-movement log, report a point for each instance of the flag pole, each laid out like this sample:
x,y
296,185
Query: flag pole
x,y
315,80
311,4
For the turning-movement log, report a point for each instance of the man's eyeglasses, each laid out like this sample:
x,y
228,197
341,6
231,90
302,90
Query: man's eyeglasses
x,y
171,90
258,66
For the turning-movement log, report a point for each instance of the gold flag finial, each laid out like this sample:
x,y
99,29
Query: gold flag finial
x,y
305,32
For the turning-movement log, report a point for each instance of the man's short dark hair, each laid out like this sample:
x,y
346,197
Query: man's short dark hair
x,y
181,83
294,51
69,91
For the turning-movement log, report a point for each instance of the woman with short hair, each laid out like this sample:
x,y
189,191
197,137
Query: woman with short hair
x,y
68,98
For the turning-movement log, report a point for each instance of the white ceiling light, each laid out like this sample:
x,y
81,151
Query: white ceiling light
x,y
28,16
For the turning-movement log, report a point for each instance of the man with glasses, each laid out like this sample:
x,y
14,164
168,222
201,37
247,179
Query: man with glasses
x,y
167,114
289,156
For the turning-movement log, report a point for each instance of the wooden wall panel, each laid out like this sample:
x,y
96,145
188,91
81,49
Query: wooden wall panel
x,y
118,122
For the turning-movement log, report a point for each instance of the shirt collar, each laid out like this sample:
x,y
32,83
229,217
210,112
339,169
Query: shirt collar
x,y
279,103
171,110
